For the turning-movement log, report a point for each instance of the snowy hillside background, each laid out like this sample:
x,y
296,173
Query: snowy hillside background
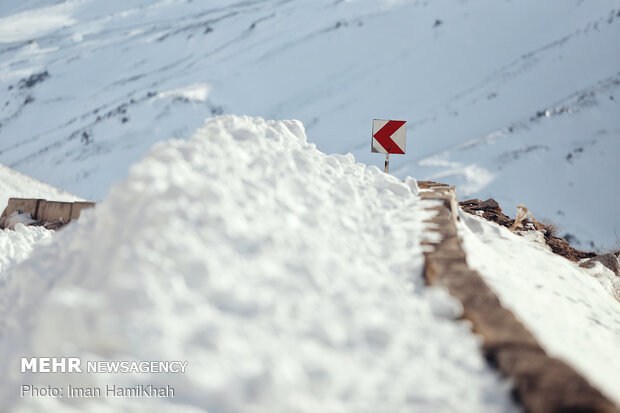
x,y
513,100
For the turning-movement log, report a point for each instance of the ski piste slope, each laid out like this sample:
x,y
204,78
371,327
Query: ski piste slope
x,y
290,280
15,246
512,100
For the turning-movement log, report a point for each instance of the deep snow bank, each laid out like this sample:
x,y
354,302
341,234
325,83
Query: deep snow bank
x,y
574,315
17,244
290,280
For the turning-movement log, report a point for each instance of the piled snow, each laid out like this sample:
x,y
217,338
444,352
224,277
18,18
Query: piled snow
x,y
16,244
17,218
571,313
290,280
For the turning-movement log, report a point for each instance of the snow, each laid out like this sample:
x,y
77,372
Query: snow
x,y
605,276
512,100
574,316
290,280
18,218
17,243
31,24
309,263
193,93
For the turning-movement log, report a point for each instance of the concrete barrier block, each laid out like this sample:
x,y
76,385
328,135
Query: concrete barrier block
x,y
55,211
27,206
78,207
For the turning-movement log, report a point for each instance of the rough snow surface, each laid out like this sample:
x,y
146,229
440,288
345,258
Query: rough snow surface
x,y
290,280
573,315
17,243
17,218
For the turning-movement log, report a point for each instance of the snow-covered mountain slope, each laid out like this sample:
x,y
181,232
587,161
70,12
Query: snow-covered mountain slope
x,y
514,100
569,311
282,293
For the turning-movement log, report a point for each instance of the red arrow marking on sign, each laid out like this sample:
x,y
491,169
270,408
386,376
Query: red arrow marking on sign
x,y
384,136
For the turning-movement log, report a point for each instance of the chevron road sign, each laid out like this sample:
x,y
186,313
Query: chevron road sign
x,y
388,136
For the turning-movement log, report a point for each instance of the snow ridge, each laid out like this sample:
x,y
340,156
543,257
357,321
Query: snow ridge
x,y
289,279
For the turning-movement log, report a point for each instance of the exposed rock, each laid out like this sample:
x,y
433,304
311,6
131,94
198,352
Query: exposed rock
x,y
32,80
561,247
491,211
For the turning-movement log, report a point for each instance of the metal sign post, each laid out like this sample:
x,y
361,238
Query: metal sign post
x,y
388,136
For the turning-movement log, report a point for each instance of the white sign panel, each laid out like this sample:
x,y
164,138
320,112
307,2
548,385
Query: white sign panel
x,y
389,136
